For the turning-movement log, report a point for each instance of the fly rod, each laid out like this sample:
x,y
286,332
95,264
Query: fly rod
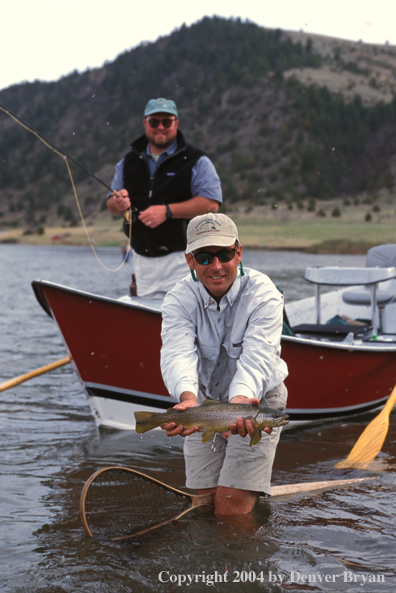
x,y
129,214
52,145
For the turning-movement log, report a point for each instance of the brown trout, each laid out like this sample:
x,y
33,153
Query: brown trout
x,y
214,416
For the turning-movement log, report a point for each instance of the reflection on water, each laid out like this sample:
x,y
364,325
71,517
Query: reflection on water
x,y
323,541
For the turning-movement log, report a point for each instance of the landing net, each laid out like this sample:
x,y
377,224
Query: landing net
x,y
121,503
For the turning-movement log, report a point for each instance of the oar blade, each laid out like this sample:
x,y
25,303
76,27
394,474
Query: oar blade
x,y
368,445
370,442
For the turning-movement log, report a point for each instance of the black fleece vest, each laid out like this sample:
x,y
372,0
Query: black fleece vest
x,y
171,183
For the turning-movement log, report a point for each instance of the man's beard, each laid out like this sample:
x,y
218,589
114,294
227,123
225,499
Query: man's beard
x,y
164,144
161,145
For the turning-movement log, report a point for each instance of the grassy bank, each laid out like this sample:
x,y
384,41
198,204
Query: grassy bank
x,y
261,227
315,237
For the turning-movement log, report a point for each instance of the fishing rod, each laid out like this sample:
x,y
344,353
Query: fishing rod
x,y
129,214
51,144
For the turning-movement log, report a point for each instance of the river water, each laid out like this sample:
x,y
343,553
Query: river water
x,y
334,540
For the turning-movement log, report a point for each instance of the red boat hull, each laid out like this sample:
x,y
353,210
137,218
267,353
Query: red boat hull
x,y
115,348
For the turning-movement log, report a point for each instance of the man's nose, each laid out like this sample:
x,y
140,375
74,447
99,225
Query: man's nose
x,y
216,263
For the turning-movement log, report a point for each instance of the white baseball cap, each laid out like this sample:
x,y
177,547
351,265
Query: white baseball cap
x,y
211,230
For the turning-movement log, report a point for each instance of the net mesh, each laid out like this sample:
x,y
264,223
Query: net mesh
x,y
120,503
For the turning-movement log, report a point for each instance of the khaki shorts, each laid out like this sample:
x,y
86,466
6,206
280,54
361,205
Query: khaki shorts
x,y
233,463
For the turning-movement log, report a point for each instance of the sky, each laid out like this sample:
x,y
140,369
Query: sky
x,y
47,39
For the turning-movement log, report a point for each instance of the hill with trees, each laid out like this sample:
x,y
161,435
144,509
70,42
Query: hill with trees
x,y
286,117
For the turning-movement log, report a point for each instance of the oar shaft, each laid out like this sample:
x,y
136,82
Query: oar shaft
x,y
391,402
307,486
36,373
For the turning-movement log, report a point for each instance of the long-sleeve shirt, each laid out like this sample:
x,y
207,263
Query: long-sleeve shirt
x,y
205,181
220,351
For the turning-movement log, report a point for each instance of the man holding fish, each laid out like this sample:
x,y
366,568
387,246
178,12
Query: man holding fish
x,y
221,336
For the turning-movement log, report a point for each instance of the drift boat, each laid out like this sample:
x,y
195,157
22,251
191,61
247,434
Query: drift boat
x,y
337,368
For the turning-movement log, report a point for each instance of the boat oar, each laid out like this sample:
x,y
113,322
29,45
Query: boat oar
x,y
309,486
36,373
370,442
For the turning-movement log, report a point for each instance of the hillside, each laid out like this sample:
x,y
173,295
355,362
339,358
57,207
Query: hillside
x,y
290,120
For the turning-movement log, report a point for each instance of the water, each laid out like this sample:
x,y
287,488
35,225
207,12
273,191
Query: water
x,y
340,540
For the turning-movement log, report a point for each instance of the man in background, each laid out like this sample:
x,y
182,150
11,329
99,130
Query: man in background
x,y
167,182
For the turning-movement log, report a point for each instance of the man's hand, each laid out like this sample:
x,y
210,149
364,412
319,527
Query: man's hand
x,y
247,428
118,203
153,216
187,400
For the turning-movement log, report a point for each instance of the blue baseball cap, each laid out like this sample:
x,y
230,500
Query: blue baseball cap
x,y
161,106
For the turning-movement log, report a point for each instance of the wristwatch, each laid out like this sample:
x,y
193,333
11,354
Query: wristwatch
x,y
168,211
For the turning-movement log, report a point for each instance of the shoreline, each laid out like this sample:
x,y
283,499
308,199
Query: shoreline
x,y
261,228
335,247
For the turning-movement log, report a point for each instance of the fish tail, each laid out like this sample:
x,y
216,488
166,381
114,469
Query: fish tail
x,y
144,421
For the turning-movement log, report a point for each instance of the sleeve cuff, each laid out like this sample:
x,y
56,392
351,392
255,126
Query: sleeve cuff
x,y
183,386
240,389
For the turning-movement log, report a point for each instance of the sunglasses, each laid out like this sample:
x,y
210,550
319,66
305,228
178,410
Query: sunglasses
x,y
153,122
224,256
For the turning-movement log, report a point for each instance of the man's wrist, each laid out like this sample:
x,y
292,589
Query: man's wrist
x,y
240,399
237,399
188,395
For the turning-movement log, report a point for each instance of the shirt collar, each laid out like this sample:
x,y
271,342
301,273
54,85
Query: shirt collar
x,y
169,151
230,297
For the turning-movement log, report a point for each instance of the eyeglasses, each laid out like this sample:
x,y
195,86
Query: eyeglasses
x,y
224,256
153,122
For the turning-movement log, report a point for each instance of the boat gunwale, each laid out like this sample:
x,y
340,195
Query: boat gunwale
x,y
38,286
374,346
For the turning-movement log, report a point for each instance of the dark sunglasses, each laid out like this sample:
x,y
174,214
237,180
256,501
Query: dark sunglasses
x,y
153,122
224,256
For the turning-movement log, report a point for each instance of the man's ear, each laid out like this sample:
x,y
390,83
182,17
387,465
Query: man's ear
x,y
190,260
238,254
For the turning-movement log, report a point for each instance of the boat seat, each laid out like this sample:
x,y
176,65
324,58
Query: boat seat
x,y
381,256
363,297
341,329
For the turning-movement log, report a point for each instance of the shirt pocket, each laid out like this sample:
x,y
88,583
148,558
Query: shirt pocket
x,y
207,356
234,349
206,349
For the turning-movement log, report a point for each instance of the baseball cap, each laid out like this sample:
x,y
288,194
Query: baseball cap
x,y
210,230
160,106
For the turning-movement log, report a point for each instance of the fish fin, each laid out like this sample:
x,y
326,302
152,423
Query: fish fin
x,y
211,402
170,410
143,421
208,435
256,436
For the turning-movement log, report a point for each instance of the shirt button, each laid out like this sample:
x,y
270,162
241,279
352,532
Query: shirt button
x,y
219,320
217,384
218,364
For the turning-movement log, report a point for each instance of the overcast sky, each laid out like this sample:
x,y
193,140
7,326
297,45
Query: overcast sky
x,y
47,39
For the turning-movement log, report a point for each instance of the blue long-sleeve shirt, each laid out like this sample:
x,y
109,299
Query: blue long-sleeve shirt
x,y
205,181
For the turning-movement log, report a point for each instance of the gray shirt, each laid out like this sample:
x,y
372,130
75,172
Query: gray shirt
x,y
227,350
